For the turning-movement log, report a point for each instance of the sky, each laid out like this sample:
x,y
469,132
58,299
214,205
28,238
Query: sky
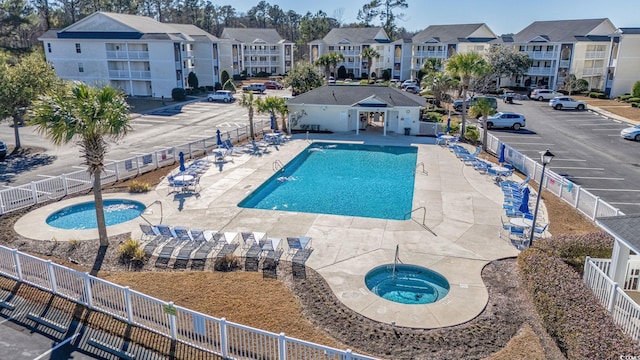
x,y
502,16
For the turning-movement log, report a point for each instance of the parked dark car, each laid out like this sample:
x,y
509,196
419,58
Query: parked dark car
x,y
273,85
3,151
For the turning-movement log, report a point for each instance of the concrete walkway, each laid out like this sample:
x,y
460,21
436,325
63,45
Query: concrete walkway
x,y
462,218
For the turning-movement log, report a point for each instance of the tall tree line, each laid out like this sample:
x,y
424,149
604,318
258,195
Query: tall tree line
x,y
22,21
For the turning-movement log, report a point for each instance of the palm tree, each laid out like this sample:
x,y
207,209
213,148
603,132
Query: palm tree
x,y
323,61
483,108
271,105
334,59
370,53
249,102
284,113
88,115
466,66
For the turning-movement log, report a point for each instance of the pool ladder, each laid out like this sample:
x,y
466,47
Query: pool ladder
x,y
277,165
145,209
421,164
424,216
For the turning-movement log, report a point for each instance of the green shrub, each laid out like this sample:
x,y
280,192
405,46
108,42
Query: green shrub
x,y
572,315
635,104
634,99
131,252
625,97
597,95
192,80
139,187
573,249
635,89
472,133
432,116
179,94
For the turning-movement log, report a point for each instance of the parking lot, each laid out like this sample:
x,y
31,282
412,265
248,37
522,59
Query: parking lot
x,y
588,147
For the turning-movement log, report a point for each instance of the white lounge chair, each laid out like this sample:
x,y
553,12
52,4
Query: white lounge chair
x,y
298,243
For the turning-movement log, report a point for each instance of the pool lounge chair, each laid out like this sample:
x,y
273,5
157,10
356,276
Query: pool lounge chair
x,y
297,244
271,248
148,232
182,233
251,238
165,231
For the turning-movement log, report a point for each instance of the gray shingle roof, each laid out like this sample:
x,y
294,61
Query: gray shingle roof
x,y
352,94
558,30
626,227
249,36
630,30
355,35
143,24
448,34
193,31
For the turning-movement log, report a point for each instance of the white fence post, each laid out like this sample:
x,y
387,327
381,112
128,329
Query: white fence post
x,y
223,338
172,323
16,260
116,171
586,266
87,290
347,354
127,303
612,299
137,165
34,192
52,277
595,208
155,155
282,346
65,184
578,191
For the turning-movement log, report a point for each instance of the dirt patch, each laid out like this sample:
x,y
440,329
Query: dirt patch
x,y
615,107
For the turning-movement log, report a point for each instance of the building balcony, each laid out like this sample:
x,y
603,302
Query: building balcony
x,y
592,71
539,70
127,55
595,55
565,64
430,54
261,63
261,52
129,74
348,52
542,54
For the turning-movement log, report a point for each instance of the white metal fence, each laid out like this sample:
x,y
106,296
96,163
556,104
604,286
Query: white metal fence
x,y
40,191
218,336
584,201
624,311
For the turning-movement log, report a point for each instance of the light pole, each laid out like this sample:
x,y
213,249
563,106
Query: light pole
x,y
546,158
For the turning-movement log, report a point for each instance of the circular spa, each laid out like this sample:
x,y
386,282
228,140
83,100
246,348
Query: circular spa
x,y
83,216
407,284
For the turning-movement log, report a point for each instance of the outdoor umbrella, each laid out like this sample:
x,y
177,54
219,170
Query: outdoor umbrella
x,y
182,168
218,137
448,125
524,205
273,122
501,158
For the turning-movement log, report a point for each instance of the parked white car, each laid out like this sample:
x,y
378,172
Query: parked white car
x,y
506,119
566,102
543,94
221,95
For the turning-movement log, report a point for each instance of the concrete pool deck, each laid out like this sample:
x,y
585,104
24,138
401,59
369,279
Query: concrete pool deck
x,y
462,218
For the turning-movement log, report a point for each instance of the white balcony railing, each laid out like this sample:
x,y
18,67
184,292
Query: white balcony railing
x,y
542,54
596,54
540,70
430,54
592,71
128,55
127,74
565,63
261,52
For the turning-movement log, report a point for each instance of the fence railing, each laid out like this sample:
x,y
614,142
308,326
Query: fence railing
x,y
585,202
624,311
40,191
218,336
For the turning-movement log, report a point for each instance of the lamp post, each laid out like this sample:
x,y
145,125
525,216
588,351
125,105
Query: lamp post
x,y
546,158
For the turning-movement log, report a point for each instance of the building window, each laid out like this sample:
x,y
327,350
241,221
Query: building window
x,y
78,50
80,67
49,47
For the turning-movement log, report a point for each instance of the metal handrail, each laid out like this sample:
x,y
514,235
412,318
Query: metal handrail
x,y
277,165
423,169
145,209
424,217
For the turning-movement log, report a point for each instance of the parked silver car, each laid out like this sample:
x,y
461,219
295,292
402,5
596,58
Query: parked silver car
x,y
543,94
506,119
566,102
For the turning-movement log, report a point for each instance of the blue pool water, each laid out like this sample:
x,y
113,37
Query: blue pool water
x,y
342,179
410,285
83,216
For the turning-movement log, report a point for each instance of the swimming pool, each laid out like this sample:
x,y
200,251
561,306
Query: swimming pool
x,y
83,216
407,284
342,179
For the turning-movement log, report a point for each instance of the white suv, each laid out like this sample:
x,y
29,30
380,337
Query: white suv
x,y
506,119
221,95
543,94
566,102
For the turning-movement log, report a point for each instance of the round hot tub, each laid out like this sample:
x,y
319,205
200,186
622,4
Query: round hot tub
x,y
83,216
407,284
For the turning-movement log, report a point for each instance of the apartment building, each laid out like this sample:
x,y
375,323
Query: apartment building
x,y
258,51
562,48
137,54
351,42
443,41
624,63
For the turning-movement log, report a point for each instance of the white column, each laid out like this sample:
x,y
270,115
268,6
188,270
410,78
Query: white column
x,y
384,122
619,260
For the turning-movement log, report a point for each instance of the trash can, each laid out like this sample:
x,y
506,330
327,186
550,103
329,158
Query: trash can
x,y
407,131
